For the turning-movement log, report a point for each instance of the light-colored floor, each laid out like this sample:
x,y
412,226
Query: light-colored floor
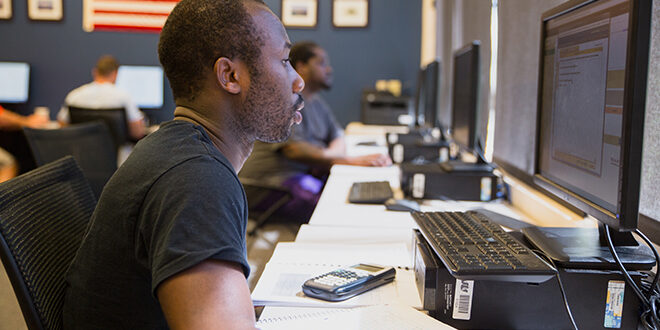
x,y
260,248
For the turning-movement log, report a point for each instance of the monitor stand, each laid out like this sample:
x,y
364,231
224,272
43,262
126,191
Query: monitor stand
x,y
586,248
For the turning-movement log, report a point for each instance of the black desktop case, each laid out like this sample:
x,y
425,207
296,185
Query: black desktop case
x,y
455,185
514,305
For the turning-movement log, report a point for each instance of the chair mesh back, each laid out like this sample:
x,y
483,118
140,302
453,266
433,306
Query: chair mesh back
x,y
114,118
90,145
43,216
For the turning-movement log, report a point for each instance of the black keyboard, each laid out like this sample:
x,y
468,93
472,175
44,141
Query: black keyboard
x,y
473,247
373,192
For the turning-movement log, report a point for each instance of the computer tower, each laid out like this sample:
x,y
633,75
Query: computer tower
x,y
593,296
430,181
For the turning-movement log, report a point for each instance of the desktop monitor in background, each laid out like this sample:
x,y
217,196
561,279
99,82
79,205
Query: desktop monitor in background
x,y
592,91
144,83
14,82
431,83
418,101
465,101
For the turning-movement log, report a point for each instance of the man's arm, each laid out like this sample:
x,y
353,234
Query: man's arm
x,y
136,129
335,154
211,295
13,120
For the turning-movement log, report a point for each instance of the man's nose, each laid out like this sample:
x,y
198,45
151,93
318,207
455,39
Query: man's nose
x,y
298,83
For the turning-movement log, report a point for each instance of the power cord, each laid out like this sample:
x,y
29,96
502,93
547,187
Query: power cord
x,y
561,287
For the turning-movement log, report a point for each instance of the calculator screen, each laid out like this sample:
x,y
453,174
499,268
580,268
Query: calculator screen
x,y
368,268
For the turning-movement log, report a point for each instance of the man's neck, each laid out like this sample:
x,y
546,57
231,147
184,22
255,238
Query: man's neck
x,y
103,81
225,135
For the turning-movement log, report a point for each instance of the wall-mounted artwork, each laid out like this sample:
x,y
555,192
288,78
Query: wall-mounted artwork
x,y
126,16
299,13
45,10
350,13
5,9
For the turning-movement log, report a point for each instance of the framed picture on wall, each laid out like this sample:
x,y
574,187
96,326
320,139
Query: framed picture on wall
x,y
350,13
5,9
45,10
299,13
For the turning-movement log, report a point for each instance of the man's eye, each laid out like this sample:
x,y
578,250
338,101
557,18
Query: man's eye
x,y
286,60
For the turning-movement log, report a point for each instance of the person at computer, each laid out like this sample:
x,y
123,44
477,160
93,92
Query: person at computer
x,y
301,163
12,121
102,93
165,247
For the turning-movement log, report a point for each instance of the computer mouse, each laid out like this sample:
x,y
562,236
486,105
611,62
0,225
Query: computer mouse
x,y
404,205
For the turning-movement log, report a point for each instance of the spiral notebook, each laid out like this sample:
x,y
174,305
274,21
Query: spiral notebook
x,y
382,317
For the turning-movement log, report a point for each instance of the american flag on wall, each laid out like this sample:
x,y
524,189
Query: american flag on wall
x,y
126,15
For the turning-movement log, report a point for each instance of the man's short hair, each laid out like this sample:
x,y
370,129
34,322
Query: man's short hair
x,y
301,52
197,33
106,65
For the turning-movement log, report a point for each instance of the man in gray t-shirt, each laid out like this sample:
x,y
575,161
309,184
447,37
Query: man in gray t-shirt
x,y
302,162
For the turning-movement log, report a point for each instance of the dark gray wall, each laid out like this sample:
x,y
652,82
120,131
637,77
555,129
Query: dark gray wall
x,y
61,54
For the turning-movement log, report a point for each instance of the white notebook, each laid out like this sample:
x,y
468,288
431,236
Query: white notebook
x,y
381,317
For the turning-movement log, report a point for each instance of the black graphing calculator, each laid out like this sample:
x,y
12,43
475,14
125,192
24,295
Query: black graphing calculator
x,y
341,284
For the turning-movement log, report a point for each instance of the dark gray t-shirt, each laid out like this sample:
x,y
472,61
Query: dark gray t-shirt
x,y
318,127
175,202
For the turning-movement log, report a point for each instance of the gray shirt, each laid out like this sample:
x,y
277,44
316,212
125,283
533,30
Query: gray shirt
x,y
318,127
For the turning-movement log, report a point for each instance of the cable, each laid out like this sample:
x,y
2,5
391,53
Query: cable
x,y
654,284
561,288
626,275
650,317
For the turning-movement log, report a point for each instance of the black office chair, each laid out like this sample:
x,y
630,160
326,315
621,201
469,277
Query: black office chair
x,y
43,216
90,144
115,119
263,201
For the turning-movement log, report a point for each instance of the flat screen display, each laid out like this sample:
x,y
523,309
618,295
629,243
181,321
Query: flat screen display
x,y
582,101
14,82
143,83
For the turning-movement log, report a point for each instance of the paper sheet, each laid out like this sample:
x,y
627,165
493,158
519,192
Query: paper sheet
x,y
382,317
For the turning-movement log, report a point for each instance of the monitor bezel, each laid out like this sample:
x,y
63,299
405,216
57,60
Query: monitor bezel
x,y
473,137
633,121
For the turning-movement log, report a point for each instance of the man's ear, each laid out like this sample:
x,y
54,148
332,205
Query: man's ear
x,y
227,75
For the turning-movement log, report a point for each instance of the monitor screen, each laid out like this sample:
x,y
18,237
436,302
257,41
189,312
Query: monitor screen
x,y
591,113
144,83
465,107
14,82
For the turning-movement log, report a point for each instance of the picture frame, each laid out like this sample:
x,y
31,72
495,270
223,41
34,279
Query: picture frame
x,y
5,9
300,13
350,13
45,10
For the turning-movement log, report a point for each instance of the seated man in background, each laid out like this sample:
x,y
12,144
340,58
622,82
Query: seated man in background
x,y
13,121
301,164
103,94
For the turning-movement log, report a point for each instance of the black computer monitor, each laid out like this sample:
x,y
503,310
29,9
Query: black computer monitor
x,y
592,91
431,92
418,101
143,83
465,101
14,82
427,96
